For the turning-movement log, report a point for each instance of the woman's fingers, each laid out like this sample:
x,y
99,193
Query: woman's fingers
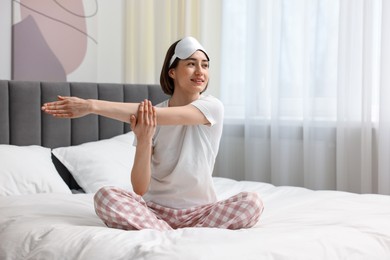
x,y
146,110
152,114
52,105
140,117
133,122
146,114
56,108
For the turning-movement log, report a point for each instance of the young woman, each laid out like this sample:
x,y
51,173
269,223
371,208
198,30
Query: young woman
x,y
176,146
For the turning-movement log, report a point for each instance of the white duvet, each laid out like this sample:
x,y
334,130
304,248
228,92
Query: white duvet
x,y
296,224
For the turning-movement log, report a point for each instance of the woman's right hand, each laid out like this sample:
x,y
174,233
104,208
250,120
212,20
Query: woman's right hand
x,y
68,107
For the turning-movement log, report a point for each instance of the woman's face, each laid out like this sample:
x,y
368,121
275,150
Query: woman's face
x,y
192,74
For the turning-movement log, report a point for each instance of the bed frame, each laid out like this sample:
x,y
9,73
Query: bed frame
x,y
23,123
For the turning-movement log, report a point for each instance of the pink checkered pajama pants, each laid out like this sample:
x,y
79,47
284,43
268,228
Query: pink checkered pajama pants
x,y
123,209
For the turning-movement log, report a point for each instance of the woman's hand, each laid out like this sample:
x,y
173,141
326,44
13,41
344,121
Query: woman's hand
x,y
144,125
68,107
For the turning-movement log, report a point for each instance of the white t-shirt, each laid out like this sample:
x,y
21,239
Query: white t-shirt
x,y
183,159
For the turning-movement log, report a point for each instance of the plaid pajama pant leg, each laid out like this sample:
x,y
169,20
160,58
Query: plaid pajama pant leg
x,y
126,210
240,211
122,209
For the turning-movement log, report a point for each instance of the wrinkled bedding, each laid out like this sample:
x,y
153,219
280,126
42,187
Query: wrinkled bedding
x,y
297,223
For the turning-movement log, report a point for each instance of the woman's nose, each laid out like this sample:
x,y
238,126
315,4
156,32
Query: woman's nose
x,y
199,70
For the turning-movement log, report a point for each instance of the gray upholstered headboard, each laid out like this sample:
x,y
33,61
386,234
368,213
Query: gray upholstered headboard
x,y
23,123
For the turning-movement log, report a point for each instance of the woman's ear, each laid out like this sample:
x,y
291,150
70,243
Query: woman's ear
x,y
171,73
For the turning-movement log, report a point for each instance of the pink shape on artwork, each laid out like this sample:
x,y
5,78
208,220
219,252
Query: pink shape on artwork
x,y
32,57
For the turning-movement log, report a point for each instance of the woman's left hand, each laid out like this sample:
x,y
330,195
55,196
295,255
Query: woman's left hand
x,y
144,125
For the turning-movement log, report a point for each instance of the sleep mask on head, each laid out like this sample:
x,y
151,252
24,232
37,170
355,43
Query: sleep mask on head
x,y
185,48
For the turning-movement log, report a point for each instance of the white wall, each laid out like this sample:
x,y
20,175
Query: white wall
x,y
104,61
111,38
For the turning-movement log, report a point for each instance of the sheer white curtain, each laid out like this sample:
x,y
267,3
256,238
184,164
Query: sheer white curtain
x,y
305,84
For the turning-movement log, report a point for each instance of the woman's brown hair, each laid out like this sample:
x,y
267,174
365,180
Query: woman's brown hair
x,y
166,81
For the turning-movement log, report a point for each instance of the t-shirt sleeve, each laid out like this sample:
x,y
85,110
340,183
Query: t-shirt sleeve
x,y
211,107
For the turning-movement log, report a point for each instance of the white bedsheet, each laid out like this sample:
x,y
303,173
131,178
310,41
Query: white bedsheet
x,y
296,224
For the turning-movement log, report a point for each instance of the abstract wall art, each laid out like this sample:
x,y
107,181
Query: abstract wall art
x,y
53,39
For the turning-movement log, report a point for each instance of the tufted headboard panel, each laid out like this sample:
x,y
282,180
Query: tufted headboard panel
x,y
23,123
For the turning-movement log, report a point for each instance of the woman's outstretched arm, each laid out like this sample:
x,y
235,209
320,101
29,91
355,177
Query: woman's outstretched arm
x,y
74,107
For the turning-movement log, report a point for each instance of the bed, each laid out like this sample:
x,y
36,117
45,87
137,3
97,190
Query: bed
x,y
50,169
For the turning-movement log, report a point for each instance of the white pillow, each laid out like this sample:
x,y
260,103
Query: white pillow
x,y
28,170
101,163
